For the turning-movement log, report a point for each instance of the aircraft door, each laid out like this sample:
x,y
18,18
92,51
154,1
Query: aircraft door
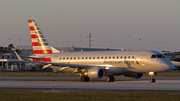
x,y
55,58
143,62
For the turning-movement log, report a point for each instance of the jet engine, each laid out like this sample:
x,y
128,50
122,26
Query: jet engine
x,y
94,73
134,75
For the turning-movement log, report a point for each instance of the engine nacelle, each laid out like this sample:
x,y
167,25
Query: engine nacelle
x,y
94,73
134,75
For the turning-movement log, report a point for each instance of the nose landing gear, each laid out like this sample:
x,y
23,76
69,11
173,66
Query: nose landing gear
x,y
152,80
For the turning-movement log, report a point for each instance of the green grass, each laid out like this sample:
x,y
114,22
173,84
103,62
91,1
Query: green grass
x,y
27,95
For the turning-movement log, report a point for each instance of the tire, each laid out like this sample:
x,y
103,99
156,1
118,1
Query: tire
x,y
112,79
83,78
86,79
152,80
108,79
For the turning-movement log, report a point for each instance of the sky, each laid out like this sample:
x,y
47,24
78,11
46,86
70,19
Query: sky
x,y
134,24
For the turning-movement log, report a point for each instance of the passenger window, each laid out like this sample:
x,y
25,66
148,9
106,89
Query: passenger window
x,y
121,57
129,57
59,58
93,57
82,57
78,57
101,57
109,57
97,57
125,57
153,56
71,58
89,57
117,57
105,57
133,57
74,58
63,58
86,57
113,57
67,58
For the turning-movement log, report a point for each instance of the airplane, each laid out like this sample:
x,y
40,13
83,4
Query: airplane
x,y
97,64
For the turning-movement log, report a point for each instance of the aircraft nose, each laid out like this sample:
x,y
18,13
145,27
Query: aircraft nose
x,y
168,65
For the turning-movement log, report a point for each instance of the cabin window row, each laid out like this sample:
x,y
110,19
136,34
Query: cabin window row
x,y
70,58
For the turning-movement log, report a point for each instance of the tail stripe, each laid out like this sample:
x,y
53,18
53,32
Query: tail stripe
x,y
33,36
31,28
42,51
35,43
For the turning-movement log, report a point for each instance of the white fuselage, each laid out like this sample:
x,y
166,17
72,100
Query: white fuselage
x,y
116,62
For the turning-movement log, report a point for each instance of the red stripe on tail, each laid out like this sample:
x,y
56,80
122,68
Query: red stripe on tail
x,y
35,43
31,28
30,21
42,51
33,36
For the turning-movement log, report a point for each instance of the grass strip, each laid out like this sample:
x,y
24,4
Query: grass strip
x,y
28,95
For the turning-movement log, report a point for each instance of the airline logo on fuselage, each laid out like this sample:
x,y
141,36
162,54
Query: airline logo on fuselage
x,y
118,62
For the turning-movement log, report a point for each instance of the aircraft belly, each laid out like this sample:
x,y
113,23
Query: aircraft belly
x,y
114,71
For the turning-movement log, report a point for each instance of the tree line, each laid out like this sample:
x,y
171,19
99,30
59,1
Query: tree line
x,y
7,49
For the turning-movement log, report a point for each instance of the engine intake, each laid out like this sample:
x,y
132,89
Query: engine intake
x,y
94,73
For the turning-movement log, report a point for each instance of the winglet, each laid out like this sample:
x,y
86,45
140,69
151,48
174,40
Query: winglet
x,y
18,56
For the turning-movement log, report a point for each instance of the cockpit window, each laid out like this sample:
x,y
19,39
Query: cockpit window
x,y
160,56
153,56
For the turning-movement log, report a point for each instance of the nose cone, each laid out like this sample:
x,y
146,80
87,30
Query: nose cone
x,y
168,65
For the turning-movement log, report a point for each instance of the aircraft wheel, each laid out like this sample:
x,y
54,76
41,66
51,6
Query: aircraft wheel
x,y
86,79
83,78
110,78
152,80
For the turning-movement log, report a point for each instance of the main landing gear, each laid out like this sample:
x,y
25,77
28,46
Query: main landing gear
x,y
84,78
152,80
110,79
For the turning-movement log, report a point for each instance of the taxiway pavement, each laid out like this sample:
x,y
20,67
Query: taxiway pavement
x,y
119,86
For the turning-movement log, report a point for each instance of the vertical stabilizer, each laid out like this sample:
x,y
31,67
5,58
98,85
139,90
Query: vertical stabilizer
x,y
39,42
